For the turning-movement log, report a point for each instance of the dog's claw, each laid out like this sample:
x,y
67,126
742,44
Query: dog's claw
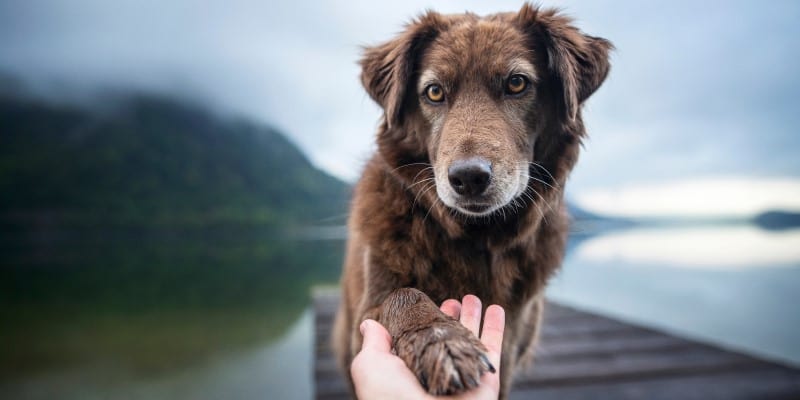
x,y
488,363
456,383
446,358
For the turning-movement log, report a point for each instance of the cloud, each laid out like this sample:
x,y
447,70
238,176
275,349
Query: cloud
x,y
695,89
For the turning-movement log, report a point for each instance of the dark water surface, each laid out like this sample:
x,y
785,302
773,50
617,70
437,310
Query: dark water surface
x,y
151,315
223,314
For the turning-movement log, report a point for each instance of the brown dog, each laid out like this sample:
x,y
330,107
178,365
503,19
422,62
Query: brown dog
x,y
482,124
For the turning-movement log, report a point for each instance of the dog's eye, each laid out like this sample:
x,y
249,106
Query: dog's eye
x,y
516,84
434,93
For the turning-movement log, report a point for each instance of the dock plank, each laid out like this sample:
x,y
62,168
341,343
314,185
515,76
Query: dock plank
x,y
583,355
770,383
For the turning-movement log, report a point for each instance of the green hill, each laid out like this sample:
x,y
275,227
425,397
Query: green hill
x,y
144,160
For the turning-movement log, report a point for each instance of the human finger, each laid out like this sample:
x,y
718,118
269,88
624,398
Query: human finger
x,y
494,324
471,313
376,337
452,308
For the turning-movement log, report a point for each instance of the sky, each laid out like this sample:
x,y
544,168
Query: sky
x,y
702,97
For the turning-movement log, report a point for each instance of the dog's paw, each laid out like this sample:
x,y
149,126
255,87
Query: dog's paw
x,y
446,357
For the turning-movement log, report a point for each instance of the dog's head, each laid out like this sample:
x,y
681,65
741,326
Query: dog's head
x,y
480,108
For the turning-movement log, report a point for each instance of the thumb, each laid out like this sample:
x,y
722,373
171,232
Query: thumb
x,y
376,337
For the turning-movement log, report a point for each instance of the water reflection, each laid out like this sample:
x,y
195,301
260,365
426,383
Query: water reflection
x,y
733,246
158,314
730,285
275,370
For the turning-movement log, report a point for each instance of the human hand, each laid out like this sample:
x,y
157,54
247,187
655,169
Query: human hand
x,y
379,374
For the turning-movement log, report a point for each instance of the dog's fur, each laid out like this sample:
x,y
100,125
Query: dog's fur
x,y
409,228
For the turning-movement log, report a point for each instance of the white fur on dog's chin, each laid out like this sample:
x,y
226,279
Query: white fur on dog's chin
x,y
504,191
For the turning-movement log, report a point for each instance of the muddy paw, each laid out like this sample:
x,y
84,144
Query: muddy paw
x,y
446,357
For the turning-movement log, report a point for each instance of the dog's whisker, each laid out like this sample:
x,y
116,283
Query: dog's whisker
x,y
553,185
433,204
544,183
429,167
538,171
540,166
417,197
422,192
536,204
538,207
546,203
420,172
408,165
431,179
517,206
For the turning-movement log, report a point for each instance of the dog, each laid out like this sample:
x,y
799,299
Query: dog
x,y
481,126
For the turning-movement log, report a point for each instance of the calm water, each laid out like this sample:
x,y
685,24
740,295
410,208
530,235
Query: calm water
x,y
732,285
225,315
218,314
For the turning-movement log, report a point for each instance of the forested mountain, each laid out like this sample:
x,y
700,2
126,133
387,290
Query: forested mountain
x,y
149,160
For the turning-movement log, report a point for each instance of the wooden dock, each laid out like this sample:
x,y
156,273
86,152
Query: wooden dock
x,y
588,356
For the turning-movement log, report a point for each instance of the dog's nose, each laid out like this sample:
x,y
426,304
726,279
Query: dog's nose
x,y
470,177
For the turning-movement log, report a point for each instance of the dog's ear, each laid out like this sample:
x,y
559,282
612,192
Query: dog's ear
x,y
387,69
578,62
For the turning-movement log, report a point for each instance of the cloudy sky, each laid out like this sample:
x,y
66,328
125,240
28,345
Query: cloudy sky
x,y
703,100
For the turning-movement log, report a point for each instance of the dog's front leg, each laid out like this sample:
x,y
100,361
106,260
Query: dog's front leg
x,y
444,355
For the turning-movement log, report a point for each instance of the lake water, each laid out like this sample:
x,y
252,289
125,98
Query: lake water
x,y
732,285
213,315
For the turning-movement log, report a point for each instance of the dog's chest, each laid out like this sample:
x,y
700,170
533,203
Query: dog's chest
x,y
460,268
